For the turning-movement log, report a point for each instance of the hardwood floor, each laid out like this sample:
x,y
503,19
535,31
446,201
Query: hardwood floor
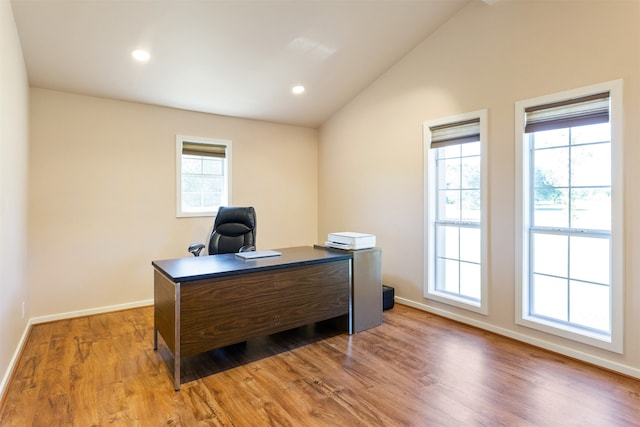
x,y
416,369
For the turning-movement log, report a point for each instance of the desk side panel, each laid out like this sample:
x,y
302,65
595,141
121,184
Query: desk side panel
x,y
164,312
219,312
367,289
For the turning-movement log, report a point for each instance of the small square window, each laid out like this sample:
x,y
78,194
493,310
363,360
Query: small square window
x,y
202,175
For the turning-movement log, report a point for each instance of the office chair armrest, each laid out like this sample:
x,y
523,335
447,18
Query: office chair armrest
x,y
195,248
248,248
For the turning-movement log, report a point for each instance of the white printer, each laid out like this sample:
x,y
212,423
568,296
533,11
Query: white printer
x,y
350,241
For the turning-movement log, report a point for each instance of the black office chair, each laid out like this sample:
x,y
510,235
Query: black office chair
x,y
234,230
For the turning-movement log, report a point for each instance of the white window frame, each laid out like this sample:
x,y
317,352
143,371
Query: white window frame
x,y
613,342
226,197
430,291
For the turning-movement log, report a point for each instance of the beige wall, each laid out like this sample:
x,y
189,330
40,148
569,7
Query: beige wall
x,y
101,172
371,152
13,193
102,195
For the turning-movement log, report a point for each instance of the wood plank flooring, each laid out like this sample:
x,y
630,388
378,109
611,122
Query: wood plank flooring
x,y
416,369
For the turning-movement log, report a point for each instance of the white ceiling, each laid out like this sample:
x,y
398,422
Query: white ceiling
x,y
238,58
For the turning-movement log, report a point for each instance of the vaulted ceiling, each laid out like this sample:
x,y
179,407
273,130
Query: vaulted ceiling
x,y
238,58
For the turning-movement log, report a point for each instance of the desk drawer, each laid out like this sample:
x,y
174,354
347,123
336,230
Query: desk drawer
x,y
224,311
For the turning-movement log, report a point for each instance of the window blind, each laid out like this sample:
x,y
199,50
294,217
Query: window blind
x,y
207,150
455,133
587,110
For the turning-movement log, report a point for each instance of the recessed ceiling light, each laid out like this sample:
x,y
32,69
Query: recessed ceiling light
x,y
140,55
297,89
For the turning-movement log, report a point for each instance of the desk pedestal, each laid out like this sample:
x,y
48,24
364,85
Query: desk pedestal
x,y
367,288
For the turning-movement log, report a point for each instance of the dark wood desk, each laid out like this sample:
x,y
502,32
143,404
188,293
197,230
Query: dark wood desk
x,y
203,303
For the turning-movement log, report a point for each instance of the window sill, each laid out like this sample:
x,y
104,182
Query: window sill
x,y
593,338
460,302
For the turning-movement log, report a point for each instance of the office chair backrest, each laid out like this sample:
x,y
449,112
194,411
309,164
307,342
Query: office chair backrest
x,y
233,230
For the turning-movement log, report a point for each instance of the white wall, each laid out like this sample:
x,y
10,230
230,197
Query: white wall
x,y
102,195
13,193
371,152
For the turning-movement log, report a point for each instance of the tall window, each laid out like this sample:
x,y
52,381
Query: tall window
x,y
569,279
455,234
203,175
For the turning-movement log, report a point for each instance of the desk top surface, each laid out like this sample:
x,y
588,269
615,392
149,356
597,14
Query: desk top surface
x,y
207,267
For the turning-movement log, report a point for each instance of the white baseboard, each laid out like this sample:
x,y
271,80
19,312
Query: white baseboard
x,y
50,318
89,312
14,360
556,348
